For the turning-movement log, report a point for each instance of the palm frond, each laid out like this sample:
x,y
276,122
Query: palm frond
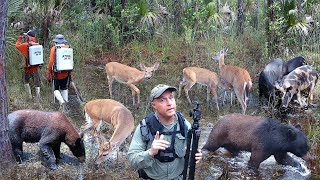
x,y
143,8
213,16
14,7
216,19
299,28
150,19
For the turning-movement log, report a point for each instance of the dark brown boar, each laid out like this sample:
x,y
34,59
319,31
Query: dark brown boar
x,y
47,128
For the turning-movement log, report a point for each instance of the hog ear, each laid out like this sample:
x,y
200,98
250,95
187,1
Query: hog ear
x,y
291,135
81,134
298,126
78,142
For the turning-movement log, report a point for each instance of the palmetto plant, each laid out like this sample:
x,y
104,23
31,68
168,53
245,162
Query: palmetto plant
x,y
148,18
14,10
213,17
293,25
14,7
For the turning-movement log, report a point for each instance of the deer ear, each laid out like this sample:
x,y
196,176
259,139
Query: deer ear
x,y
100,139
155,66
225,52
142,66
277,85
78,142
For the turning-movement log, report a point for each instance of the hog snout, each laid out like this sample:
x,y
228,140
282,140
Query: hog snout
x,y
308,157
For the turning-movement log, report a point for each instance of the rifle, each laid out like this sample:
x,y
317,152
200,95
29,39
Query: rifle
x,y
193,134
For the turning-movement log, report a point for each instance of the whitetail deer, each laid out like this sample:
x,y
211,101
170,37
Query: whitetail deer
x,y
238,77
129,76
111,112
193,75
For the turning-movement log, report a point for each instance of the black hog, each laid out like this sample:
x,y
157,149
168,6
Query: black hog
x,y
47,128
262,137
302,78
293,63
273,72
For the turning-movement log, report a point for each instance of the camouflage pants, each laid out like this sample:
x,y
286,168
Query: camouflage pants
x,y
35,78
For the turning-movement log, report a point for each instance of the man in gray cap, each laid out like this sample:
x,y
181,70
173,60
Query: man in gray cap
x,y
158,146
61,79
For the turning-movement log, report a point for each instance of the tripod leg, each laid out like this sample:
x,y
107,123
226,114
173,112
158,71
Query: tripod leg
x,y
186,157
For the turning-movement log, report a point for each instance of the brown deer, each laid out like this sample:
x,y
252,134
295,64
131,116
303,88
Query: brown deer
x,y
193,75
129,76
111,112
238,77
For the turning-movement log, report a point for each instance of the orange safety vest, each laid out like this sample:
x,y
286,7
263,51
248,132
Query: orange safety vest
x,y
24,50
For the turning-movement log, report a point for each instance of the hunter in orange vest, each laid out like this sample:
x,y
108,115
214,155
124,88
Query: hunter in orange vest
x,y
30,72
61,79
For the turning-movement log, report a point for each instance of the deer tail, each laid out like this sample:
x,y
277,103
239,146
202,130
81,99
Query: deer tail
x,y
246,88
183,80
84,111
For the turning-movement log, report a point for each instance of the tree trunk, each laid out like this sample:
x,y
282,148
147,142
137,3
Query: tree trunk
x,y
123,4
196,23
177,14
6,154
45,30
240,17
257,11
299,6
270,13
218,6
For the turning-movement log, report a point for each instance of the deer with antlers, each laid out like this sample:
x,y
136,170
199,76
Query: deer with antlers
x,y
193,75
239,79
111,112
129,76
